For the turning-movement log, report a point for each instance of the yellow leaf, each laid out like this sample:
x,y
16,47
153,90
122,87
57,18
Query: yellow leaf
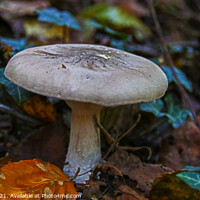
x,y
43,30
40,108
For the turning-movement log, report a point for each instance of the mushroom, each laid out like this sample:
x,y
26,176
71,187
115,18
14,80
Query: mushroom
x,y
88,78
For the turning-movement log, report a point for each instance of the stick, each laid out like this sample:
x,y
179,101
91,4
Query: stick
x,y
169,61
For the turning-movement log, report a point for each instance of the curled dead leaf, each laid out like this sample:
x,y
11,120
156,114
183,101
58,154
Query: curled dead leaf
x,y
35,179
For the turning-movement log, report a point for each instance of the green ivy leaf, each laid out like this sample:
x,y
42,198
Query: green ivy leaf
x,y
191,169
61,18
16,44
19,94
176,115
106,29
119,44
178,185
181,76
154,107
191,178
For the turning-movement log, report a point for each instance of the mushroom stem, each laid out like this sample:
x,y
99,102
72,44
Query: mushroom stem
x,y
84,149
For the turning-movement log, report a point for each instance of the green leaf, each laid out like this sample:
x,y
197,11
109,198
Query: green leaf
x,y
176,186
181,76
176,115
116,34
191,178
191,168
112,16
16,44
154,107
19,94
61,18
119,44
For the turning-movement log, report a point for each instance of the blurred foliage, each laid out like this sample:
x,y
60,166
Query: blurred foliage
x,y
42,31
115,18
180,75
16,44
120,35
61,18
4,55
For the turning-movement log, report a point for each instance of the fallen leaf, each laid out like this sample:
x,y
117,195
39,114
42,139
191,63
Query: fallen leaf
x,y
46,143
107,197
184,147
127,197
170,186
143,174
40,108
34,179
191,178
108,168
128,193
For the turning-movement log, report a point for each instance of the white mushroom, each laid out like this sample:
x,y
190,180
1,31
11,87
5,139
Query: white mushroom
x,y
87,77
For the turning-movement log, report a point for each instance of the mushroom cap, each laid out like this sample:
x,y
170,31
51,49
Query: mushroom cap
x,y
87,73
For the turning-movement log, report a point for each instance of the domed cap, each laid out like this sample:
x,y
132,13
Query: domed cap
x,y
87,73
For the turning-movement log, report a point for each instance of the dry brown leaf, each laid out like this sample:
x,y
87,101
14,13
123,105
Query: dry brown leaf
x,y
126,190
184,149
126,193
127,197
171,187
40,108
143,173
34,179
46,143
110,169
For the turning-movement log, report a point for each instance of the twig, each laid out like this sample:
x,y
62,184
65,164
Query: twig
x,y
121,136
149,128
136,149
15,112
168,59
77,174
65,34
110,139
